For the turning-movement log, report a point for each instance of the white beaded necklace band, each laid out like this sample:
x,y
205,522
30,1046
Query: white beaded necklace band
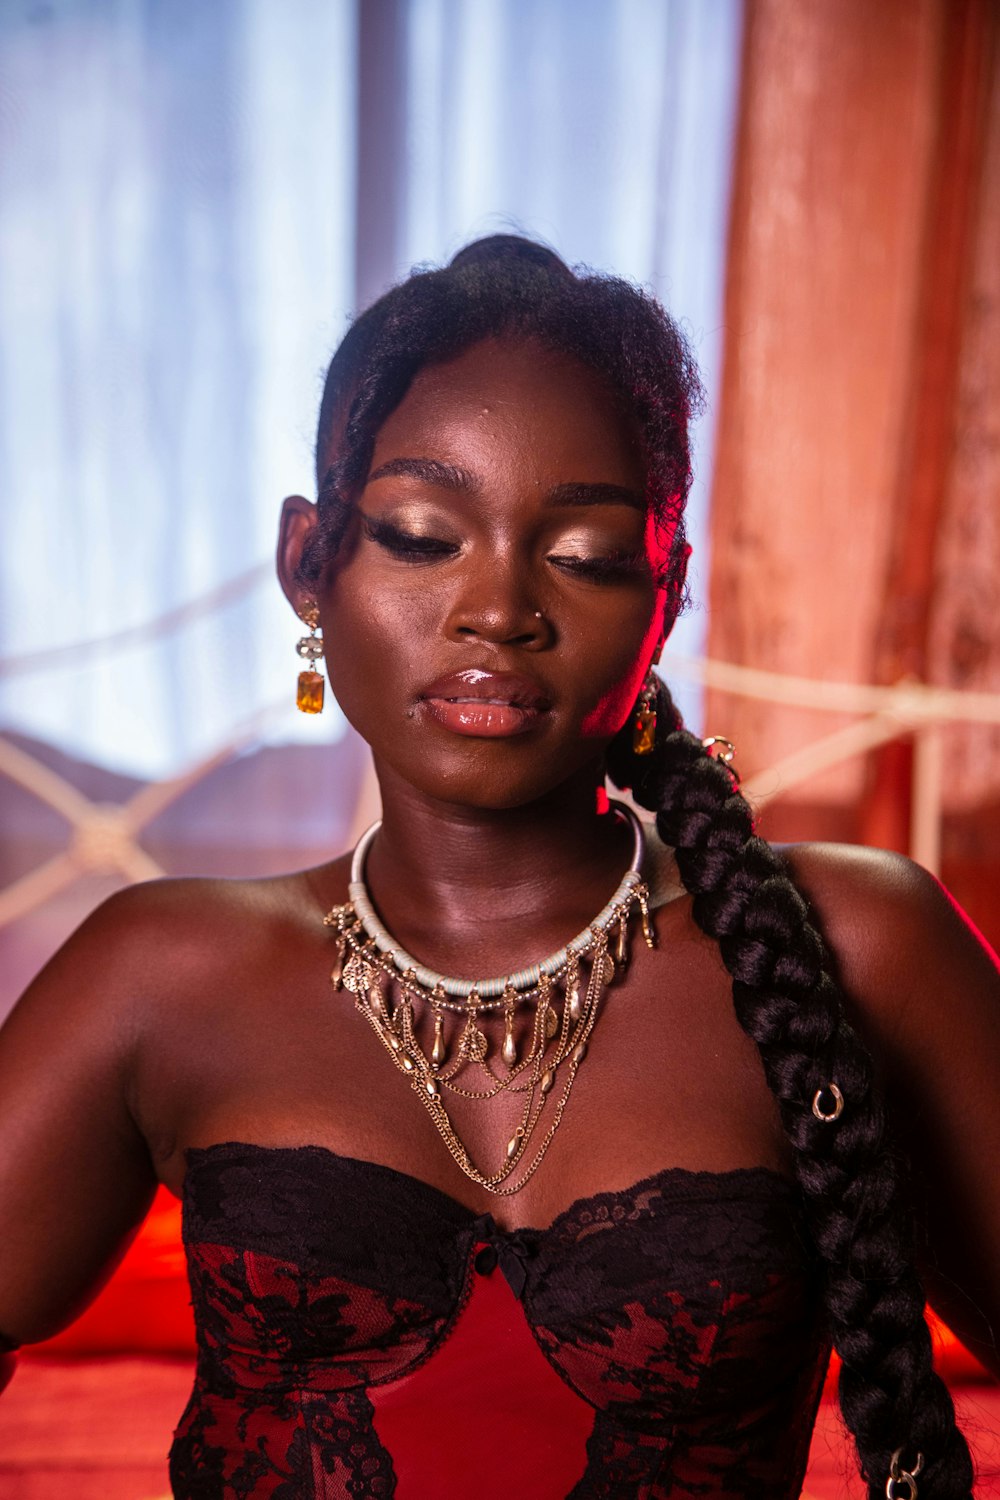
x,y
524,979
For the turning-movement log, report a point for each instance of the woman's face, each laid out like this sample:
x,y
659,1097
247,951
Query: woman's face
x,y
497,599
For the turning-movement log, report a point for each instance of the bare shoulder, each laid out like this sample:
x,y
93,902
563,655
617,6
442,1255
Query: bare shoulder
x,y
862,889
911,963
924,990
162,937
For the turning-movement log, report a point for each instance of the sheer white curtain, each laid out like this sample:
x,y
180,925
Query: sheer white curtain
x,y
176,258
193,199
603,128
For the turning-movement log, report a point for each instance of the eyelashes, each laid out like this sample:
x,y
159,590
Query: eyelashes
x,y
410,547
611,565
405,544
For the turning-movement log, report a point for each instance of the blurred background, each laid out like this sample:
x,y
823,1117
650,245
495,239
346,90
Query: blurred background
x,y
195,199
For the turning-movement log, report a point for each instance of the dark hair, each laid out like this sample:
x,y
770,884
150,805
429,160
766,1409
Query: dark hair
x,y
788,1003
506,286
784,994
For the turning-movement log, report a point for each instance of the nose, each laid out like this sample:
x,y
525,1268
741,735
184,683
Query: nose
x,y
496,604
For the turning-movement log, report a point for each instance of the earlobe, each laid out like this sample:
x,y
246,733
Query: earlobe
x,y
298,517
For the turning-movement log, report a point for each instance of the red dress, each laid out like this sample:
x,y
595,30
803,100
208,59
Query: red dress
x,y
362,1334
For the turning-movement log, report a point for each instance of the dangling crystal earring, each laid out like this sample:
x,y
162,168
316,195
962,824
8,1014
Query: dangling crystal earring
x,y
644,723
309,697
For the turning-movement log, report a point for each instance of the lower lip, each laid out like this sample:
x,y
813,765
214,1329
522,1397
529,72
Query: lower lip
x,y
486,721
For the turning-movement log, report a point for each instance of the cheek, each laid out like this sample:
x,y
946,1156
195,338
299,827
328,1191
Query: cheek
x,y
609,714
367,639
618,684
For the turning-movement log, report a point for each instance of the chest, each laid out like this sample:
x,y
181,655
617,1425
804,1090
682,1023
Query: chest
x,y
278,1056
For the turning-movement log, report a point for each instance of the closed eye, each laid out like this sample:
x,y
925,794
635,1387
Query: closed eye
x,y
604,568
405,544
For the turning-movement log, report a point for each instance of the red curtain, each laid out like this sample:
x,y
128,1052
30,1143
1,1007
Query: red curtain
x,y
856,508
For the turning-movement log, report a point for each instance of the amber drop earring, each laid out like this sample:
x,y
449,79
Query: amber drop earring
x,y
644,723
309,697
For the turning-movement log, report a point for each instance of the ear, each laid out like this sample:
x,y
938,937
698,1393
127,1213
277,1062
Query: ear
x,y
298,517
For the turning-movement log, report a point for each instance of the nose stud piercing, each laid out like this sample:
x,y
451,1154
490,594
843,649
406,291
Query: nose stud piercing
x,y
309,696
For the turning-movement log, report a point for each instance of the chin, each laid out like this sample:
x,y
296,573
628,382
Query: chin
x,y
495,783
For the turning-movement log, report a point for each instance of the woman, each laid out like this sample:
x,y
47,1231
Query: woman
x,y
580,1228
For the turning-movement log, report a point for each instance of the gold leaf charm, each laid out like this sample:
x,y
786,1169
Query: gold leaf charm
x,y
354,978
548,1079
551,1022
473,1044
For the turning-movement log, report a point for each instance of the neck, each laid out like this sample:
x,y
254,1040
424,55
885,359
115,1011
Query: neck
x,y
461,881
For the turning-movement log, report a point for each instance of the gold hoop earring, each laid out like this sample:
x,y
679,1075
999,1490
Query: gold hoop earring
x,y
309,696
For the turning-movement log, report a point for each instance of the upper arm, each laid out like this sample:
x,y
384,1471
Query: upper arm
x,y
924,991
75,1174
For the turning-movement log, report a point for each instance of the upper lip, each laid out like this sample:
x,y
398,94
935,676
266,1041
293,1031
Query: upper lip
x,y
486,686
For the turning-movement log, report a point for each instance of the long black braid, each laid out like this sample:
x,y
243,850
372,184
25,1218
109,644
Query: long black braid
x,y
784,995
788,1004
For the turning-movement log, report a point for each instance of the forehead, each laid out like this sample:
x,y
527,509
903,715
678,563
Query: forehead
x,y
517,402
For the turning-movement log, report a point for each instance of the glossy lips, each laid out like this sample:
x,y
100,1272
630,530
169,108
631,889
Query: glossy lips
x,y
486,705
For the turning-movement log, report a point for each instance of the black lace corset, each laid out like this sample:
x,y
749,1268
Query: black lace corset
x,y
679,1318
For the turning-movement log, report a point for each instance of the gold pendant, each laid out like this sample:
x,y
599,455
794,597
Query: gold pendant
x,y
509,1049
337,972
573,992
438,1050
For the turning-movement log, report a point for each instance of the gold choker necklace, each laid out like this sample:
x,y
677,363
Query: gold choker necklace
x,y
398,996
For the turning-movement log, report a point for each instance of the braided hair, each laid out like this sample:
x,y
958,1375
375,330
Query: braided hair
x,y
784,993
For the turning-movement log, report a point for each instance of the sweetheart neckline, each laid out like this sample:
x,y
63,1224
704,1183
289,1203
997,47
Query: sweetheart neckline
x,y
777,1182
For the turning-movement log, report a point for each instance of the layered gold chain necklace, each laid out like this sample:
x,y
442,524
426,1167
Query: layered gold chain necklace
x,y
400,996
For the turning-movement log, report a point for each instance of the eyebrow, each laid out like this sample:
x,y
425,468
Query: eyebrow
x,y
451,477
596,494
429,471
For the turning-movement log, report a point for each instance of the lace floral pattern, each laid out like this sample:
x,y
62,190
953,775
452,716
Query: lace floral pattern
x,y
682,1311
